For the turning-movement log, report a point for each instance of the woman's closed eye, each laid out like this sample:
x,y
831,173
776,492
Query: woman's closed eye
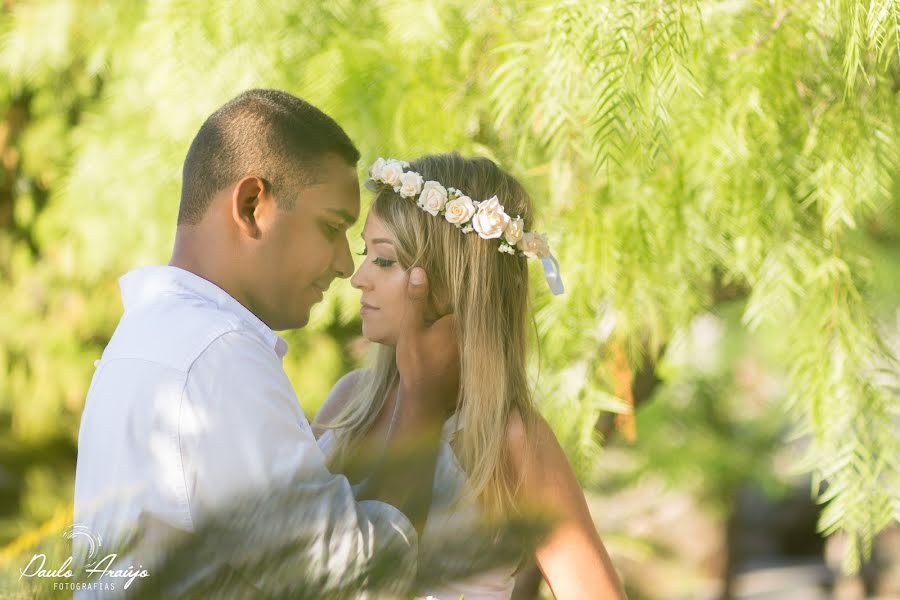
x,y
381,262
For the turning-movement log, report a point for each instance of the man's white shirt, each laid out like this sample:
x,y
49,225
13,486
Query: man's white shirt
x,y
190,408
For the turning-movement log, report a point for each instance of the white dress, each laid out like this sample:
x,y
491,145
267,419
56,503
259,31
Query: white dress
x,y
449,478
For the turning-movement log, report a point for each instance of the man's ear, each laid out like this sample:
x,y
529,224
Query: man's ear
x,y
251,200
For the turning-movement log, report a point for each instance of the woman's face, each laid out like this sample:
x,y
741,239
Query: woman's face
x,y
382,282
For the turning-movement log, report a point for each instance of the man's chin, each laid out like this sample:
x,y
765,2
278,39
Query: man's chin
x,y
294,322
302,321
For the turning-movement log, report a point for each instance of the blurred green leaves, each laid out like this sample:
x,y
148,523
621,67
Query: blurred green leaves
x,y
676,151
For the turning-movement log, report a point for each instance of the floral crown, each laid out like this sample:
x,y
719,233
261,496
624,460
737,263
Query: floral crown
x,y
486,218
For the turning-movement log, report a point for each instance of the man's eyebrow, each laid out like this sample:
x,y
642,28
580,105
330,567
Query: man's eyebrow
x,y
350,219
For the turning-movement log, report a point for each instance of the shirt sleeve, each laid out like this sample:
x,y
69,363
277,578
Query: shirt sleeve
x,y
244,441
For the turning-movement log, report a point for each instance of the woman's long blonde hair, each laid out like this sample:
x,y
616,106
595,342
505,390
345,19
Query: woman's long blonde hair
x,y
488,292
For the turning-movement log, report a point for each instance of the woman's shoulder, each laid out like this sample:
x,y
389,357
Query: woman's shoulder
x,y
533,449
336,401
524,427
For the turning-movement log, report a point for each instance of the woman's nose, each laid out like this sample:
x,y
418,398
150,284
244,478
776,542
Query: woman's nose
x,y
357,279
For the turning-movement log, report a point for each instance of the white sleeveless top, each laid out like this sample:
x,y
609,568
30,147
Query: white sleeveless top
x,y
449,478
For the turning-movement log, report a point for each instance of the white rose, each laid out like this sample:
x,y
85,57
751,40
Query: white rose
x,y
514,231
433,197
391,172
460,210
490,220
376,168
410,184
534,245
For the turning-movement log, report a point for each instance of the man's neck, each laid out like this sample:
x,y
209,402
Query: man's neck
x,y
191,254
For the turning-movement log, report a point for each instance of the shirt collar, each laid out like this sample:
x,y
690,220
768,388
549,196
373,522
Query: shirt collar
x,y
146,283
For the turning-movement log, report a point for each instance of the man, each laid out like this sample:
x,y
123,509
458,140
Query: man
x,y
190,408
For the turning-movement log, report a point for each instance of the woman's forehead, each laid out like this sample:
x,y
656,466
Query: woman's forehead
x,y
375,228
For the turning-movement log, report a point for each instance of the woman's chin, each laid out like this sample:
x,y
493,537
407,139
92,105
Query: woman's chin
x,y
378,337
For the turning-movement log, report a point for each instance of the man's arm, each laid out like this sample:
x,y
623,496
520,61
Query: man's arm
x,y
242,434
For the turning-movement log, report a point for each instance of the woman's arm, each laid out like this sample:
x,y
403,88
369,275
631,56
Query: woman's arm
x,y
572,558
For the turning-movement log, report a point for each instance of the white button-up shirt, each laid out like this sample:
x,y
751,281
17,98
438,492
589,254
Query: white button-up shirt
x,y
190,408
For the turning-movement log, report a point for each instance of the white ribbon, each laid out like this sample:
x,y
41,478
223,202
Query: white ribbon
x,y
552,274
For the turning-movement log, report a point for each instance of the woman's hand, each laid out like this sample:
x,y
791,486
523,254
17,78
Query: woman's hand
x,y
428,362
427,353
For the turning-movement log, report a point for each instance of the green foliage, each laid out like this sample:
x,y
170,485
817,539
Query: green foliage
x,y
673,149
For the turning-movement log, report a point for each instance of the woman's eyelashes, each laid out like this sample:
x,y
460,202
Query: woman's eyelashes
x,y
381,262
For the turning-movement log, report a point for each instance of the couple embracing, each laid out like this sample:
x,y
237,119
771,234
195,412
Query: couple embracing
x,y
190,407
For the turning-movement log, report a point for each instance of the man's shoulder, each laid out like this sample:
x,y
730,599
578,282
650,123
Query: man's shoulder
x,y
174,331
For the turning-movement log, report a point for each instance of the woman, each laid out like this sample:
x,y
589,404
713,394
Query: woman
x,y
498,456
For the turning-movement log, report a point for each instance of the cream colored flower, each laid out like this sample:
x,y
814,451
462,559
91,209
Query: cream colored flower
x,y
490,220
376,168
534,245
433,197
514,231
391,172
460,210
410,184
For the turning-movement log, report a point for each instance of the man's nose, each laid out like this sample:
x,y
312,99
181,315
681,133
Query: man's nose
x,y
343,263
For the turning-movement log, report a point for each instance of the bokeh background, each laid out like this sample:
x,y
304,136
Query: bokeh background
x,y
718,178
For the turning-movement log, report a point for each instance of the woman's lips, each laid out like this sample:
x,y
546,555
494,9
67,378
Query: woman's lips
x,y
366,308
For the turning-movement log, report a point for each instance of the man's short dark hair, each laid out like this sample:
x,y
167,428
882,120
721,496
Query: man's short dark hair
x,y
267,133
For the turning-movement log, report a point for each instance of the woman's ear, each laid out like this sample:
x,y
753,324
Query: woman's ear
x,y
438,304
